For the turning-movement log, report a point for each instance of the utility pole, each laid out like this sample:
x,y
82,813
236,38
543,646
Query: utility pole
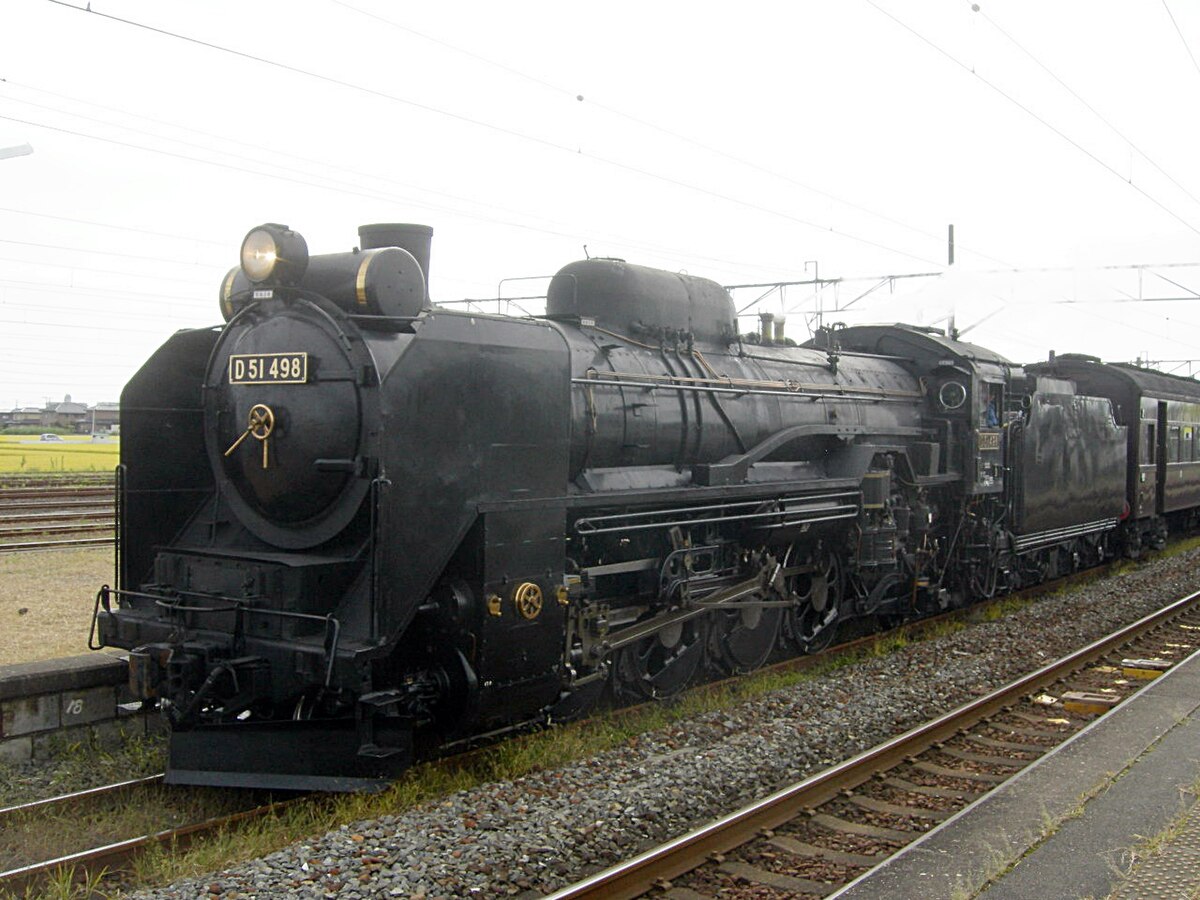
x,y
817,285
952,330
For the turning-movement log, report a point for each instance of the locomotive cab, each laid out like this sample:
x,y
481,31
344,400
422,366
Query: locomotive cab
x,y
965,389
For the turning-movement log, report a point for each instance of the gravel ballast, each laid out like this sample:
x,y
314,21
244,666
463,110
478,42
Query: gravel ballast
x,y
533,835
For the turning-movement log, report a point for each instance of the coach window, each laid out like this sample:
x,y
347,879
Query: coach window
x,y
1173,444
1148,446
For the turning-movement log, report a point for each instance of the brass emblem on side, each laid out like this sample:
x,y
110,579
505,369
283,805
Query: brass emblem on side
x,y
262,423
562,594
493,604
527,598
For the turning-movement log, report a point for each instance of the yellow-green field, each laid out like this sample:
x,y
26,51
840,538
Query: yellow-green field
x,y
74,453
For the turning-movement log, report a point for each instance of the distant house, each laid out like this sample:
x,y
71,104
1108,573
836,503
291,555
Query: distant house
x,y
70,415
99,418
105,417
27,415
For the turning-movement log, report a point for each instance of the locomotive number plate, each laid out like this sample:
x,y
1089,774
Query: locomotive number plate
x,y
989,440
268,368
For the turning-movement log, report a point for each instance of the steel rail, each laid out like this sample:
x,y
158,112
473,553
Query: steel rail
x,y
638,875
10,516
54,504
76,796
7,530
113,856
48,493
55,545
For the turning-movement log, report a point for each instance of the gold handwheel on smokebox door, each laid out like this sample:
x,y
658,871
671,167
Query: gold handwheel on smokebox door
x,y
261,422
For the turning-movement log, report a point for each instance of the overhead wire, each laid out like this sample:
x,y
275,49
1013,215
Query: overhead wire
x,y
86,326
654,126
1028,111
557,229
116,253
103,293
1146,156
1182,39
65,4
257,172
272,153
124,273
276,176
130,228
491,126
1133,327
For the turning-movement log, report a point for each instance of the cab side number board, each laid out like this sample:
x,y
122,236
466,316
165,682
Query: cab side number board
x,y
268,368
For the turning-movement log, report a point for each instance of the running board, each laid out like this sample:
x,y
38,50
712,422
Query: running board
x,y
1028,542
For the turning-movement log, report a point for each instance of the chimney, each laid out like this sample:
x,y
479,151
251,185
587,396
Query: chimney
x,y
413,238
766,319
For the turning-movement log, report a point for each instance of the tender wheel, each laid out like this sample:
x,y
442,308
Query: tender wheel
x,y
661,665
740,640
810,624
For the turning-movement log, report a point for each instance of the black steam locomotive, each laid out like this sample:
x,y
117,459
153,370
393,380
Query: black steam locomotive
x,y
353,523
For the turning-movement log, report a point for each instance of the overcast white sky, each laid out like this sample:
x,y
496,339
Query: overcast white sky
x,y
740,142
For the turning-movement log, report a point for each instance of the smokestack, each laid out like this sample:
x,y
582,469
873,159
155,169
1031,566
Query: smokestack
x,y
780,321
416,239
766,318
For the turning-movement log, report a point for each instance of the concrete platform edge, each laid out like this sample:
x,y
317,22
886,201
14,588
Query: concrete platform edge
x,y
49,704
961,855
63,674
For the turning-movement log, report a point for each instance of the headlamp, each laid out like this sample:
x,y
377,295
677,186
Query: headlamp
x,y
274,254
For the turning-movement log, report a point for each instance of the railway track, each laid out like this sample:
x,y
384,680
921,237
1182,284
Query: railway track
x,y
62,480
55,518
115,852
70,544
812,838
54,495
